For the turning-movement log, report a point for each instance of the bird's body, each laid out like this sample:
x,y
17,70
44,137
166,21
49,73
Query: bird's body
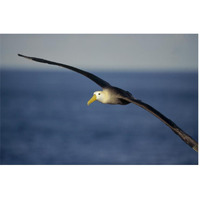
x,y
113,95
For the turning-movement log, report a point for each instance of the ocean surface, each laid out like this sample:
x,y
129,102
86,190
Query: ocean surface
x,y
45,119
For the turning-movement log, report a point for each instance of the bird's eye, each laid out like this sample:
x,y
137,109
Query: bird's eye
x,y
98,93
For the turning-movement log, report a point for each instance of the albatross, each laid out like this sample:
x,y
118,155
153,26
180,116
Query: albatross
x,y
115,95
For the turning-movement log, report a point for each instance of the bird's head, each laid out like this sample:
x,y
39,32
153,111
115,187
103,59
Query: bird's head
x,y
98,95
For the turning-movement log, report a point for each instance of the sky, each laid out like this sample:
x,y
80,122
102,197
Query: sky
x,y
141,52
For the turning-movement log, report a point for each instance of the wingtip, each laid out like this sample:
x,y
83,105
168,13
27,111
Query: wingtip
x,y
24,56
21,55
195,147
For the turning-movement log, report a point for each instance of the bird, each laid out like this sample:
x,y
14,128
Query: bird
x,y
114,95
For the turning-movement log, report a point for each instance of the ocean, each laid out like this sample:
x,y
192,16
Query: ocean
x,y
45,119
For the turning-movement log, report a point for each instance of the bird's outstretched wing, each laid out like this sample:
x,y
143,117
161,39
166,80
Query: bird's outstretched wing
x,y
94,78
184,136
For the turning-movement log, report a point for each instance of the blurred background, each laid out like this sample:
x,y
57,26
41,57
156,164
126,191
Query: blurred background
x,y
44,114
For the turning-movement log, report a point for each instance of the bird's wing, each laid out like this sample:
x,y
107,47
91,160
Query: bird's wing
x,y
94,78
184,136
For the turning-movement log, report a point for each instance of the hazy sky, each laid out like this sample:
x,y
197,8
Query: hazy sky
x,y
97,51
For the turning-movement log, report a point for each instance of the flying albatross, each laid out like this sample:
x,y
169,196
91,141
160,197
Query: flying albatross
x,y
114,95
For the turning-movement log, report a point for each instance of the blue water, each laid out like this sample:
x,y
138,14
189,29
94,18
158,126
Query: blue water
x,y
45,119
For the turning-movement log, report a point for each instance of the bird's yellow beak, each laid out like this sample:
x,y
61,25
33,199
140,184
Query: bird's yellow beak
x,y
94,98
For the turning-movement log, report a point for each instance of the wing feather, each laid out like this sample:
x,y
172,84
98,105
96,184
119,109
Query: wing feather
x,y
92,77
184,136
